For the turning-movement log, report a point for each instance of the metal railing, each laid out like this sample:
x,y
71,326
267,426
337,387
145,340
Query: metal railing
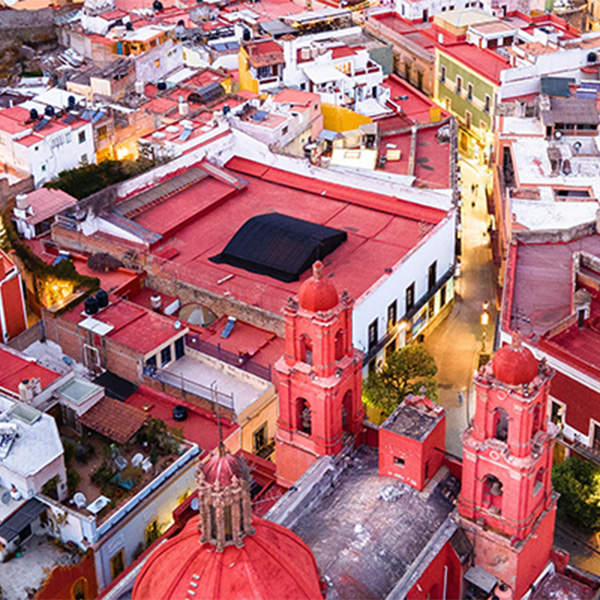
x,y
241,362
191,387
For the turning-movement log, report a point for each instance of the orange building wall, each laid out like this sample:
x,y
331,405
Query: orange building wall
x,y
61,581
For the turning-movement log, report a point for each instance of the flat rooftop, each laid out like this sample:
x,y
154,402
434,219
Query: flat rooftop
x,y
364,544
244,390
548,269
414,418
199,427
381,231
14,369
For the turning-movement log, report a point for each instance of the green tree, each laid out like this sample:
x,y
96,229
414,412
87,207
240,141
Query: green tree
x,y
578,483
406,371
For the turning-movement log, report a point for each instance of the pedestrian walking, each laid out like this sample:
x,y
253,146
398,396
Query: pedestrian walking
x,y
460,398
472,188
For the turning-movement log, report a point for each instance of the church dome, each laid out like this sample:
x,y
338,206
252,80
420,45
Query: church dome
x,y
317,295
222,468
514,364
272,563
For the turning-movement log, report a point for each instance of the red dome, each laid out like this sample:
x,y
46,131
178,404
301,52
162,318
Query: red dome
x,y
224,468
315,294
273,563
514,364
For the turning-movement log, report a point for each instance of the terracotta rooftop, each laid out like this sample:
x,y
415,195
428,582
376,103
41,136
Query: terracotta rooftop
x,y
45,203
115,420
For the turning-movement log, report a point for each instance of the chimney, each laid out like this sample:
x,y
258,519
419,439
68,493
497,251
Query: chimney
x,y
184,109
25,391
155,302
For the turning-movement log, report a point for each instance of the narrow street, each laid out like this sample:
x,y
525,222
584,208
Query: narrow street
x,y
456,342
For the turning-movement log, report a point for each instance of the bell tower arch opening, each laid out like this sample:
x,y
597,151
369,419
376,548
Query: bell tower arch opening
x,y
500,424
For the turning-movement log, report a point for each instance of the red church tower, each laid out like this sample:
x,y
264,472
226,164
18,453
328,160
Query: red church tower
x,y
506,498
319,378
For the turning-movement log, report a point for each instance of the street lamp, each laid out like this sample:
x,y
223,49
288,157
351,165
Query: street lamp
x,y
484,319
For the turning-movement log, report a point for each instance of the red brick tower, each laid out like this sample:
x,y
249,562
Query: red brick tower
x,y
507,498
319,378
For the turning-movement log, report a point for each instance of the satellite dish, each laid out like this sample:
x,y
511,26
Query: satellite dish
x,y
177,324
6,498
558,135
194,504
9,2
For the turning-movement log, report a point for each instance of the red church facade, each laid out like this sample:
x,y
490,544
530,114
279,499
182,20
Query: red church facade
x,y
319,379
506,496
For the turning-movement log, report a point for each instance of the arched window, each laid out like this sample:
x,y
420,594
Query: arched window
x,y
492,494
537,418
304,417
339,345
539,482
347,410
501,424
79,589
306,351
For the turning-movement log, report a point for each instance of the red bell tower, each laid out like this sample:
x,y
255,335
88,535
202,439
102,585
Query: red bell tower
x,y
319,378
506,497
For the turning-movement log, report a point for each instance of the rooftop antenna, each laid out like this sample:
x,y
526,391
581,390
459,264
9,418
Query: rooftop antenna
x,y
214,399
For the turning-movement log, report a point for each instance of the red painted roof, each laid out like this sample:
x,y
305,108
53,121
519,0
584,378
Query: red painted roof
x,y
200,426
486,62
272,563
342,51
326,189
14,369
381,231
166,217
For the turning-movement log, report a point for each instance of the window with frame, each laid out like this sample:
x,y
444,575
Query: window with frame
x,y
432,276
459,82
259,439
442,74
372,334
81,137
117,563
392,314
165,356
470,92
468,119
263,72
487,103
102,132
410,296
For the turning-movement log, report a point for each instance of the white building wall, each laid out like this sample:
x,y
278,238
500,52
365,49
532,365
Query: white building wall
x,y
373,304
169,56
130,532
54,153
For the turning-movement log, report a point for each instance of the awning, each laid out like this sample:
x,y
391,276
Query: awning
x,y
323,73
115,420
24,515
481,579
